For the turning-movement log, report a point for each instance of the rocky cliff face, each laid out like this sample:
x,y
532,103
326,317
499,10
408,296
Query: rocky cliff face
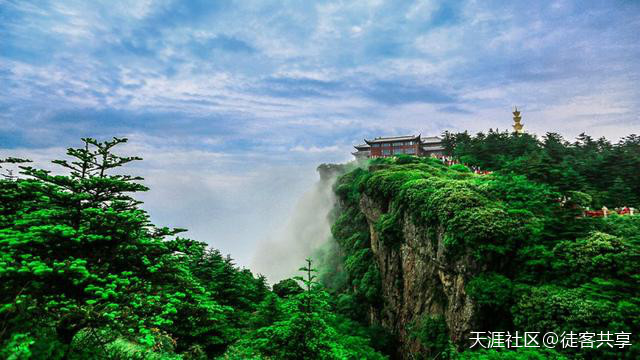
x,y
421,278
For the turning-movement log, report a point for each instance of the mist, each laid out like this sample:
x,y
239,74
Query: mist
x,y
283,251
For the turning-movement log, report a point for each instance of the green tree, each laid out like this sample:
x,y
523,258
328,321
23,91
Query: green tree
x,y
286,288
309,329
83,269
542,264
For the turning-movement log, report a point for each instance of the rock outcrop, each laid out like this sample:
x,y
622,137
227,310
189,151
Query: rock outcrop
x,y
421,278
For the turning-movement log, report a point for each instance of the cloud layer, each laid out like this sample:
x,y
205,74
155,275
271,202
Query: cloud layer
x,y
235,103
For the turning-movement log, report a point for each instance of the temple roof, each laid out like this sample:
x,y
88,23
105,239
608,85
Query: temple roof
x,y
433,148
392,139
431,139
362,146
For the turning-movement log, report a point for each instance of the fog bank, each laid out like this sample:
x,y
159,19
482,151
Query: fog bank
x,y
282,252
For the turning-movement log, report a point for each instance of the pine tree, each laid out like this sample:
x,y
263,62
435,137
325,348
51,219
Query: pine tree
x,y
82,267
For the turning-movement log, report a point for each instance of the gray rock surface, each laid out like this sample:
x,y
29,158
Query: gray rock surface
x,y
421,278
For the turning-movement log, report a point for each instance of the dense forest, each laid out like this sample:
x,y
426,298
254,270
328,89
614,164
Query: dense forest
x,y
608,173
85,274
531,260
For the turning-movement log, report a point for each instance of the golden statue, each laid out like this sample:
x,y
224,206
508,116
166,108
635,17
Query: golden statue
x,y
517,126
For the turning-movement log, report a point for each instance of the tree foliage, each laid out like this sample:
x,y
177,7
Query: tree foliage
x,y
85,274
546,266
308,329
605,171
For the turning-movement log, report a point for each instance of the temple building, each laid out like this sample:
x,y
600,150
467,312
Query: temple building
x,y
391,146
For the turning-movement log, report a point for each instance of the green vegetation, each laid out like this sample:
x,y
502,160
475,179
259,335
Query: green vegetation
x,y
84,274
546,268
605,171
306,329
433,334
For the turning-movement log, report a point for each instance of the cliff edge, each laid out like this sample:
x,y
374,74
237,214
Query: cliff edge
x,y
414,234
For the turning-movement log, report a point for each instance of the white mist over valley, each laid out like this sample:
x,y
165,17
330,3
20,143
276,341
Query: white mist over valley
x,y
282,252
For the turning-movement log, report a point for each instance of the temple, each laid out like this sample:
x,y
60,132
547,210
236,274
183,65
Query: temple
x,y
392,146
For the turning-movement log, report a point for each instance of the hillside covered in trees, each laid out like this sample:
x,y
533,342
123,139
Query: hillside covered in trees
x,y
85,275
607,172
437,251
423,254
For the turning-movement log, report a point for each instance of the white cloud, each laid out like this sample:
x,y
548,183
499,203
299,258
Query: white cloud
x,y
216,131
440,41
422,10
316,149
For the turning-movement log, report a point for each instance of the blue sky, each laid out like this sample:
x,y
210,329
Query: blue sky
x,y
234,103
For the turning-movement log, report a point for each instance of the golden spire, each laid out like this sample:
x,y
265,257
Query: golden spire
x,y
517,126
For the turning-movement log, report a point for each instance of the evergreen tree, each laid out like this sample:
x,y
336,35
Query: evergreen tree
x,y
286,288
83,271
308,329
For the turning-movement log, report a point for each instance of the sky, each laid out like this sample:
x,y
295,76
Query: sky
x,y
233,104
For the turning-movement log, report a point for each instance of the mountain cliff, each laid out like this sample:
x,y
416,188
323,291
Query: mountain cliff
x,y
420,277
434,252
